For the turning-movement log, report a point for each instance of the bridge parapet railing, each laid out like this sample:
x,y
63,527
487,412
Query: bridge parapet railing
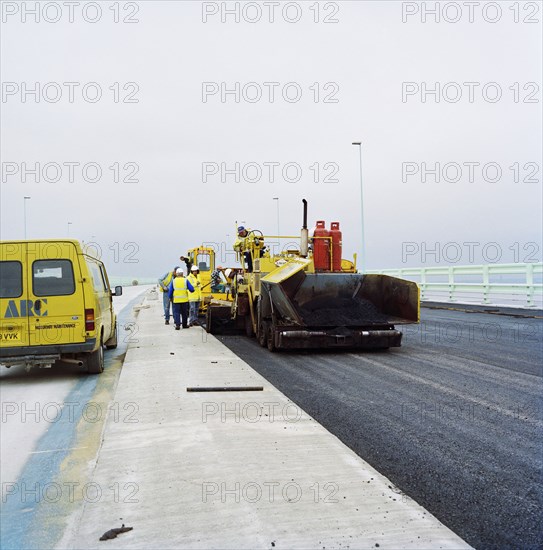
x,y
517,284
129,281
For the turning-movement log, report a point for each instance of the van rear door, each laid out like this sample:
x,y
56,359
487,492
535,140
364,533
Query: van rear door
x,y
55,291
14,327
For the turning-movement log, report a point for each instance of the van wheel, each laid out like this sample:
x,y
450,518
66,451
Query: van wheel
x,y
112,342
95,360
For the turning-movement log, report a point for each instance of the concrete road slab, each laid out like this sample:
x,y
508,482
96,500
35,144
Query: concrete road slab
x,y
231,469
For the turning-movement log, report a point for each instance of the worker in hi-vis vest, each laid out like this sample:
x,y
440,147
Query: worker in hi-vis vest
x,y
164,284
241,246
196,297
179,295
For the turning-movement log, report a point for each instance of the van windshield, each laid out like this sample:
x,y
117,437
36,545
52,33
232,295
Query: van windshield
x,y
53,278
11,279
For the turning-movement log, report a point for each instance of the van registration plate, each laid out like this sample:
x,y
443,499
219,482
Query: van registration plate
x,y
10,336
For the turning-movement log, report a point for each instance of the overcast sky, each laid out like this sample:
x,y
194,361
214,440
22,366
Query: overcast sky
x,y
342,72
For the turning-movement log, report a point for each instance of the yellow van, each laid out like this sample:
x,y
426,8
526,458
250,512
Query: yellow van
x,y
55,304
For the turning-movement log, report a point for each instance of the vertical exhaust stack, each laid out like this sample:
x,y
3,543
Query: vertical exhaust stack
x,y
304,235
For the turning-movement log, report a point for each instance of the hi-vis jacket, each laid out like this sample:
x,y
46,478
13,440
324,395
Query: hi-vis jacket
x,y
194,280
164,281
179,290
242,243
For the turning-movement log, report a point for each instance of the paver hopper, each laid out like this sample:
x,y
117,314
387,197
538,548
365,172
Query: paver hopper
x,y
299,309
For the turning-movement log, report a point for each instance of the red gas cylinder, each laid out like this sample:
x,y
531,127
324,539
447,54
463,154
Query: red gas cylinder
x,y
335,233
321,247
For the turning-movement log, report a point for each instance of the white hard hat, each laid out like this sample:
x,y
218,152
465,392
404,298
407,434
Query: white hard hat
x,y
194,268
228,272
179,271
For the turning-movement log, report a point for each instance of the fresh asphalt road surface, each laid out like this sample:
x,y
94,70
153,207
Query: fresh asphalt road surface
x,y
453,417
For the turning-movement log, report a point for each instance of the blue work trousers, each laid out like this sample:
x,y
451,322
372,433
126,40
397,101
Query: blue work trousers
x,y
193,312
180,312
166,301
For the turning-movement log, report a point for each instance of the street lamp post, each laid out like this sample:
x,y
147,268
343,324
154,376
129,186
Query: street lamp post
x,y
277,199
363,252
69,223
24,209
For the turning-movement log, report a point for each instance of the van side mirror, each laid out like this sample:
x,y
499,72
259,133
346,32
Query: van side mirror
x,y
118,291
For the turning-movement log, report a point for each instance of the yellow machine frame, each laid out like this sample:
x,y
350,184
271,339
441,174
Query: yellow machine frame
x,y
203,257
